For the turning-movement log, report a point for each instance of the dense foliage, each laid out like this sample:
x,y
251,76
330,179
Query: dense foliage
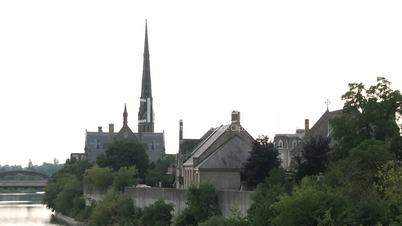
x,y
263,158
157,214
202,204
64,190
125,154
314,157
114,209
156,173
261,212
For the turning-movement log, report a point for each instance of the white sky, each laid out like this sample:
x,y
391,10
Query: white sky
x,y
67,66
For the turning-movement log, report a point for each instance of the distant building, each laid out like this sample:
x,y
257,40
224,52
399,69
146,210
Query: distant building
x,y
287,143
321,128
78,156
96,142
217,157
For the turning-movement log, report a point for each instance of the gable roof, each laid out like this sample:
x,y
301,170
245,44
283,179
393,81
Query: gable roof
x,y
222,141
230,155
321,127
205,143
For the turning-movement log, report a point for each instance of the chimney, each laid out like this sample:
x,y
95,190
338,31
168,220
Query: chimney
x,y
99,129
111,128
181,130
306,126
236,118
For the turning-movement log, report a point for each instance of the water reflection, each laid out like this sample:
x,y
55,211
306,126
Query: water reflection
x,y
24,208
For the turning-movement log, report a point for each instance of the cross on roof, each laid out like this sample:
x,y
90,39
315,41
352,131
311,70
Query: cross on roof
x,y
327,102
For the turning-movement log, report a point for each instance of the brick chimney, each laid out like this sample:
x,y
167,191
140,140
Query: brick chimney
x,y
111,128
306,126
180,130
236,118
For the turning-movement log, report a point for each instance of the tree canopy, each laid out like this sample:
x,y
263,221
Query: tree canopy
x,y
314,157
263,158
125,154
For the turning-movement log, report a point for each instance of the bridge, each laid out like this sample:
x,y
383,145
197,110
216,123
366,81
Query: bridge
x,y
40,180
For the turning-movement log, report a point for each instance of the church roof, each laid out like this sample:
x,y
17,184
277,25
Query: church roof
x,y
321,127
221,148
230,155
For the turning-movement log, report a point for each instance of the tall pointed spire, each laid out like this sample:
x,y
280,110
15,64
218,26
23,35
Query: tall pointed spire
x,y
125,114
146,113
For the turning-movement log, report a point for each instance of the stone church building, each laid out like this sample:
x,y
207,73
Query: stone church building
x,y
96,142
217,157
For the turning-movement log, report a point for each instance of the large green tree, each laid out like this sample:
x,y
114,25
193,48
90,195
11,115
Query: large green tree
x,y
314,157
368,113
268,193
125,154
64,193
263,158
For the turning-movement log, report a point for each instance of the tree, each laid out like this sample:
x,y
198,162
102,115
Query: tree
x,y
126,176
125,154
158,173
157,214
314,158
263,158
64,202
114,209
202,204
63,192
309,204
268,193
221,221
368,113
98,178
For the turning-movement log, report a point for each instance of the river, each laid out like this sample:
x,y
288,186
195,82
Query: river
x,y
24,209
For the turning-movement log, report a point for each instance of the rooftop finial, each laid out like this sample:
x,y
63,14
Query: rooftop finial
x,y
327,102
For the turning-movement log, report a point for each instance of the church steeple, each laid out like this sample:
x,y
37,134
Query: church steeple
x,y
146,113
125,114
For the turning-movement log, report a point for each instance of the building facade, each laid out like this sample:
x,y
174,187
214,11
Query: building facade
x,y
217,158
96,142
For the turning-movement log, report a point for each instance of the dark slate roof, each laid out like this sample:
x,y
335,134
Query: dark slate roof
x,y
96,144
231,155
221,148
321,127
205,144
155,143
188,145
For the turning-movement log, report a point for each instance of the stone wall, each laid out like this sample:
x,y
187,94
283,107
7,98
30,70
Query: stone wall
x,y
228,200
222,180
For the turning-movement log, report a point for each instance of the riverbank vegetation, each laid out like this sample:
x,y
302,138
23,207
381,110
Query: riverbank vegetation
x,y
350,177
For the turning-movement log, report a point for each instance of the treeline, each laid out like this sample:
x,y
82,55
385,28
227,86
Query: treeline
x,y
46,168
123,164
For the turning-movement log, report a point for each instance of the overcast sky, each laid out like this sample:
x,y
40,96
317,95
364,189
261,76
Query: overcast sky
x,y
68,66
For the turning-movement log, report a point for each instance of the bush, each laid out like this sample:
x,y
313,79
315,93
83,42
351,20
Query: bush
x,y
157,214
202,204
98,178
126,176
114,209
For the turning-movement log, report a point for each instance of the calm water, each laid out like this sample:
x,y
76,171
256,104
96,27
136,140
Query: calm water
x,y
17,209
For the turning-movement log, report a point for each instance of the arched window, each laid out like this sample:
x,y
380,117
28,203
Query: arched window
x,y
280,144
294,144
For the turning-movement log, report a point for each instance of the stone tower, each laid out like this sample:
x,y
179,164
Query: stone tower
x,y
146,111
